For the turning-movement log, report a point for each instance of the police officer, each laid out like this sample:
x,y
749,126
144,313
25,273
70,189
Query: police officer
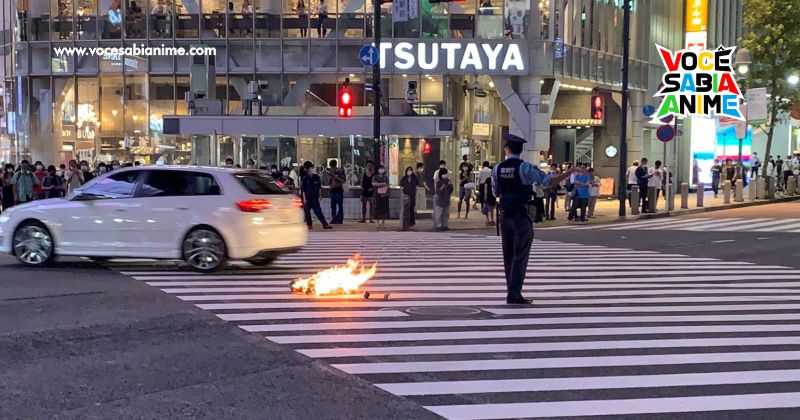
x,y
511,184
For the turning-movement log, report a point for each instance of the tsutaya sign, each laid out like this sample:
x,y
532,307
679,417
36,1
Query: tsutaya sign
x,y
454,57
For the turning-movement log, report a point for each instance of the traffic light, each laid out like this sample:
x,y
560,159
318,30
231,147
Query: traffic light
x,y
346,103
597,107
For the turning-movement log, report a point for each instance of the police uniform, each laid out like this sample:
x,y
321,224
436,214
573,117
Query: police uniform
x,y
512,182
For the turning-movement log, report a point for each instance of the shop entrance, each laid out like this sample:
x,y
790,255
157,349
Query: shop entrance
x,y
572,144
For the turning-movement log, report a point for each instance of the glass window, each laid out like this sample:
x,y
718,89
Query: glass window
x,y
161,12
111,20
62,20
259,184
135,23
87,125
178,183
112,124
86,19
119,185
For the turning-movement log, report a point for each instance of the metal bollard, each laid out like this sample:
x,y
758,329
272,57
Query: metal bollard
x,y
772,186
726,192
751,189
739,193
761,188
701,194
791,184
652,199
635,199
671,201
684,195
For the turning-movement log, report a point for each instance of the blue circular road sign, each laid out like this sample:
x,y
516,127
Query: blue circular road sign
x,y
648,110
368,55
665,133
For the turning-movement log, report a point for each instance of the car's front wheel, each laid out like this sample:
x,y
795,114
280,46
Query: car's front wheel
x,y
204,250
33,244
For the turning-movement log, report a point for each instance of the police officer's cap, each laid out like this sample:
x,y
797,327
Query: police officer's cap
x,y
510,138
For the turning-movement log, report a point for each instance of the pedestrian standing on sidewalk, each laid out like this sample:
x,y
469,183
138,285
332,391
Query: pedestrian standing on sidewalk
x,y
538,202
489,202
580,201
779,171
367,193
73,177
311,185
442,165
716,170
40,174
630,175
465,188
336,181
755,165
551,195
441,210
788,170
51,185
287,180
654,176
422,187
7,184
594,192
87,173
381,184
408,184
24,183
642,181
511,183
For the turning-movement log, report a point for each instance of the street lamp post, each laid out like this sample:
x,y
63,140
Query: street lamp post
x,y
623,137
742,62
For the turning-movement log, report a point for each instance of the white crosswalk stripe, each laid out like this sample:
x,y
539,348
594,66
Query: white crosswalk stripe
x,y
613,331
700,224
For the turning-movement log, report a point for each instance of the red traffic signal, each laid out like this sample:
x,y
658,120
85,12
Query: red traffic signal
x,y
597,107
345,104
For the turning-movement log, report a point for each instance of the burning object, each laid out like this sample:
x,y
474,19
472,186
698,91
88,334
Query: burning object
x,y
337,280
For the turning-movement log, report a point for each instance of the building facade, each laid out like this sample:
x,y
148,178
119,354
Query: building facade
x,y
455,77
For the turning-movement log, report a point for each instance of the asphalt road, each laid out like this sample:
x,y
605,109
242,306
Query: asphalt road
x,y
722,236
649,320
80,341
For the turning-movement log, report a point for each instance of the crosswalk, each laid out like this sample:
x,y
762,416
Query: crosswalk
x,y
700,224
613,331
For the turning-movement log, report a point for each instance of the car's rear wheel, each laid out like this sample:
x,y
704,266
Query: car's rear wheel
x,y
264,259
33,244
204,250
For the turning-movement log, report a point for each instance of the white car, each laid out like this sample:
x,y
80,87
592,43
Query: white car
x,y
201,215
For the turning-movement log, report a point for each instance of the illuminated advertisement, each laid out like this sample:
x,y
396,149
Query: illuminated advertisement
x,y
711,141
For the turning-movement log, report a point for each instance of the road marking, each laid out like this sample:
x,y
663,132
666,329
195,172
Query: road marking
x,y
620,407
263,316
722,241
595,382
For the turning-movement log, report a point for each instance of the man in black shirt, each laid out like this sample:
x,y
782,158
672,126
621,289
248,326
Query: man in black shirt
x,y
311,184
641,180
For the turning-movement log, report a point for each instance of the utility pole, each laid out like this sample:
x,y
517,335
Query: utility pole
x,y
376,87
623,138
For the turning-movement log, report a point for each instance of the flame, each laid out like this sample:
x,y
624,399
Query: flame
x,y
336,280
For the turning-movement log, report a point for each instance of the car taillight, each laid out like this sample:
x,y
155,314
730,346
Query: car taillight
x,y
298,203
255,205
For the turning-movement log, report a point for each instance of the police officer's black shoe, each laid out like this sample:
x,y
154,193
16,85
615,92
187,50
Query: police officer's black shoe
x,y
519,301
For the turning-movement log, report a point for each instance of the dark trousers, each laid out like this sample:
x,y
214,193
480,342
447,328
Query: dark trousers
x,y
643,196
550,211
786,175
517,238
313,204
538,203
715,185
337,206
412,215
579,204
754,171
321,30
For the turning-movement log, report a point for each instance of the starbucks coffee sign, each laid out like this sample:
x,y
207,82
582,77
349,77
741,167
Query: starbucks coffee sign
x,y
437,57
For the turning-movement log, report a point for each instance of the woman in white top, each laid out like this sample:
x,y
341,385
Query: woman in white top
x,y
73,176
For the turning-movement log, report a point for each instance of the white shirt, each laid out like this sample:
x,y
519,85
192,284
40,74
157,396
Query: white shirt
x,y
322,9
631,174
755,161
594,190
484,174
655,179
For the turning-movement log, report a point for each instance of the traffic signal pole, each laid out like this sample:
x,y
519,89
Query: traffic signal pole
x,y
623,137
376,87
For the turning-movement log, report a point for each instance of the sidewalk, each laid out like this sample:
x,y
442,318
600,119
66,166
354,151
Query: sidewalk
x,y
606,211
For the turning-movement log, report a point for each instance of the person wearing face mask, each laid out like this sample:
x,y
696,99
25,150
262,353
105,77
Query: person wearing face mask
x,y
422,187
229,162
7,184
52,185
367,193
310,188
336,182
465,187
40,174
24,183
408,184
381,184
511,184
115,165
442,165
73,177
101,168
251,164
441,210
273,172
61,169
87,174
287,180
